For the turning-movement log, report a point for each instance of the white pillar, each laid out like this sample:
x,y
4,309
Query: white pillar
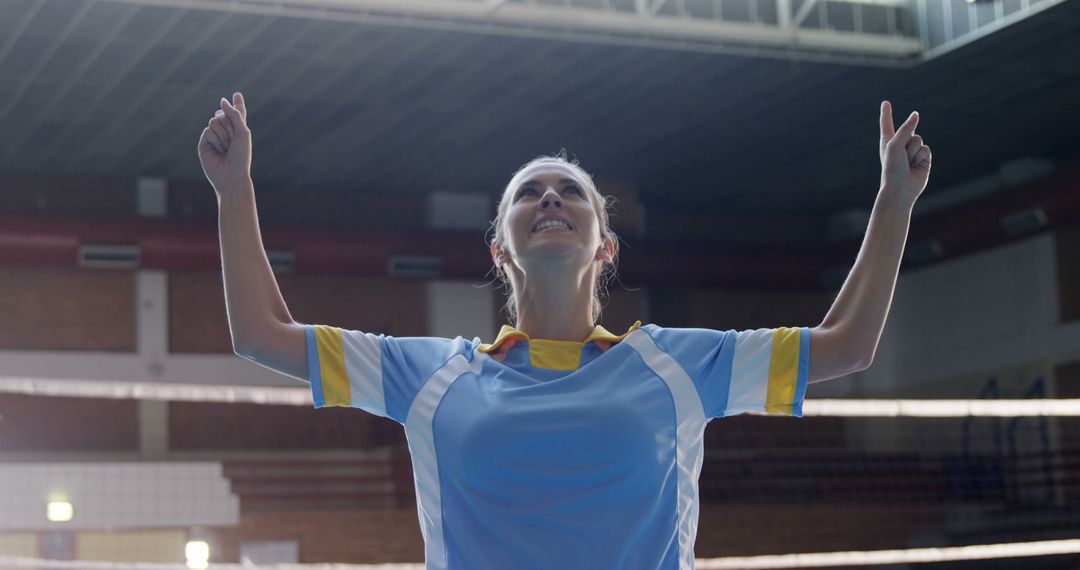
x,y
153,430
152,343
460,308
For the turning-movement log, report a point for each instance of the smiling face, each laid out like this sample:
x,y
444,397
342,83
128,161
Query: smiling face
x,y
549,210
545,194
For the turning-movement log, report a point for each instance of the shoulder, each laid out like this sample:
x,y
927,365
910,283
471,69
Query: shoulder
x,y
680,343
667,335
422,350
435,350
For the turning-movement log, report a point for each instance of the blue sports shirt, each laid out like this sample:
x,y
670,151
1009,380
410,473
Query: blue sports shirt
x,y
533,453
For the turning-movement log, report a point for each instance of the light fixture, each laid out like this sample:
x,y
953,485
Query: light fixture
x,y
59,511
1024,221
100,256
197,553
417,266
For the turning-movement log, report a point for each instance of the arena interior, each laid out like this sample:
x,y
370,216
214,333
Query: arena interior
x,y
738,140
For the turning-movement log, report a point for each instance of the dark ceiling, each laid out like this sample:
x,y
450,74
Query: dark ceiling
x,y
339,107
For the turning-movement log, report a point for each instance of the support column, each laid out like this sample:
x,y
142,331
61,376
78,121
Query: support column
x,y
153,430
460,308
152,328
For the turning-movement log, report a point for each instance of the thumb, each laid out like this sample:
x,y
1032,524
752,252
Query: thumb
x,y
906,130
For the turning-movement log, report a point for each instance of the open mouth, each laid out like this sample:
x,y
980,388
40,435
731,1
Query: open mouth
x,y
552,226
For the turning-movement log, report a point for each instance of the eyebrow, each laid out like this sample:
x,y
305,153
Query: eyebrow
x,y
537,182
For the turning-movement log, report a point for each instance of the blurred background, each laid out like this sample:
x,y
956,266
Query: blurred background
x,y
739,139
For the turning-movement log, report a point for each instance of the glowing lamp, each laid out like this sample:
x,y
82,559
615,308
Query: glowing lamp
x,y
59,511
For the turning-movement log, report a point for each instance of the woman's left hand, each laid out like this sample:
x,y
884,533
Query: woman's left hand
x,y
905,160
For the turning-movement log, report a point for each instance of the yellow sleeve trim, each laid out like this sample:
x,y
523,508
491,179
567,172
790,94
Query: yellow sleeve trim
x,y
783,371
335,382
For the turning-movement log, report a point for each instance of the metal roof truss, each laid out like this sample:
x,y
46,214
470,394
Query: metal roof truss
x,y
875,32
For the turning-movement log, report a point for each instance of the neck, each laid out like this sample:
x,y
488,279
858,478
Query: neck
x,y
555,305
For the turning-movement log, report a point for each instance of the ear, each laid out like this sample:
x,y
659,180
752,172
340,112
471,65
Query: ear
x,y
498,257
606,253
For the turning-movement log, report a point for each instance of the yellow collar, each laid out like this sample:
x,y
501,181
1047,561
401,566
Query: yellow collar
x,y
599,333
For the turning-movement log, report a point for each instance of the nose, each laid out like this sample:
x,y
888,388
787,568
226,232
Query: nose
x,y
550,199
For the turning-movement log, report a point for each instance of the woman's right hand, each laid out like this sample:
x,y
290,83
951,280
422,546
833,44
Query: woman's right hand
x,y
225,146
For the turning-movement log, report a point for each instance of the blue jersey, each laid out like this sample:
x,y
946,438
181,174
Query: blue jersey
x,y
531,453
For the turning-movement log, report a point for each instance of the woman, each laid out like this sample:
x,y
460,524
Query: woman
x,y
560,444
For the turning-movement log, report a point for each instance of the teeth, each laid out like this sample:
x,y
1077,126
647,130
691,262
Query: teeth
x,y
551,223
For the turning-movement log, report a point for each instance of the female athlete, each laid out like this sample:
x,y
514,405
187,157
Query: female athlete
x,y
559,444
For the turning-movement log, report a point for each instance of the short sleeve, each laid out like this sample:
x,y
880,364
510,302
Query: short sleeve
x,y
376,373
757,371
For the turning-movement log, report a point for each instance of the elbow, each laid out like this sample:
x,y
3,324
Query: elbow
x,y
250,353
244,350
246,344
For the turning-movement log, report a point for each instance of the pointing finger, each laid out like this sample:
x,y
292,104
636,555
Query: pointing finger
x,y
238,102
887,130
228,118
233,117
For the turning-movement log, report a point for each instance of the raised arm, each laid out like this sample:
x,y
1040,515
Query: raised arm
x,y
261,327
847,339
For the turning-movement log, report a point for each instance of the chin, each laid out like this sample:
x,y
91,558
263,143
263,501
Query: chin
x,y
563,254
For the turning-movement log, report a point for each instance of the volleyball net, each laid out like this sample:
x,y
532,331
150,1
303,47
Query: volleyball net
x,y
806,560
852,483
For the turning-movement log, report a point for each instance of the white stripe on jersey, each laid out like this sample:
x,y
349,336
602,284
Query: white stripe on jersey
x,y
363,365
749,383
418,430
690,419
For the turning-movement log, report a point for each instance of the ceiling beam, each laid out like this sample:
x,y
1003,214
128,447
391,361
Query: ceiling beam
x,y
640,26
803,12
944,28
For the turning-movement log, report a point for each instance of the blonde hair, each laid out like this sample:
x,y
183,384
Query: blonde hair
x,y
600,204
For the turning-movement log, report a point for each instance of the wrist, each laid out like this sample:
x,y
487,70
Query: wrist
x,y
894,200
235,191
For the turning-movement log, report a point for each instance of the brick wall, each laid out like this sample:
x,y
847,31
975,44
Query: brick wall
x,y
198,322
67,309
40,424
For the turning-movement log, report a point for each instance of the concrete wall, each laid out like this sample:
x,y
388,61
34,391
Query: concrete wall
x,y
115,495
